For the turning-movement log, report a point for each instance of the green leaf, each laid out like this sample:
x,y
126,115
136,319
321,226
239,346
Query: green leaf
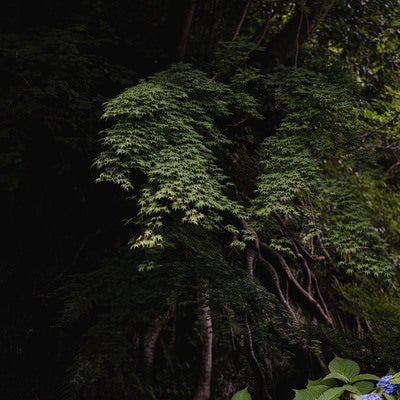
x,y
364,386
311,393
336,375
395,378
347,368
351,389
323,382
389,397
363,377
242,395
332,394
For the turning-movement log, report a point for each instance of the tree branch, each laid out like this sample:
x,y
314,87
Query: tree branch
x,y
286,45
305,295
244,14
255,361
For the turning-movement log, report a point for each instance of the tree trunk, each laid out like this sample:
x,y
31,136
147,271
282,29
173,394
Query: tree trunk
x,y
151,337
204,383
285,46
186,25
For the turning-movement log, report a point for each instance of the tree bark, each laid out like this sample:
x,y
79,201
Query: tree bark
x,y
186,25
151,337
320,311
203,391
244,14
285,46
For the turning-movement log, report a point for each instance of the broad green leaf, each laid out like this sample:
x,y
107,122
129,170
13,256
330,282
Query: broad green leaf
x,y
337,375
352,389
311,393
242,395
347,368
389,397
322,381
364,386
315,382
395,378
364,377
332,394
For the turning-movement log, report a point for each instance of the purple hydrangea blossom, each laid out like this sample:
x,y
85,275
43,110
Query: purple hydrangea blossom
x,y
371,396
387,387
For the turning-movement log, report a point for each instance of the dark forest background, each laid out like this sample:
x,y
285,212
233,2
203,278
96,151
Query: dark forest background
x,y
85,317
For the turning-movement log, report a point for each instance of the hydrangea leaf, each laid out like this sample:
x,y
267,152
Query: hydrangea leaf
x,y
322,381
363,377
388,396
395,378
364,386
242,395
352,389
347,368
311,393
337,375
332,394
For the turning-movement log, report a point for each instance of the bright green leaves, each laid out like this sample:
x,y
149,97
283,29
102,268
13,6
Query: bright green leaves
x,y
317,174
332,394
242,395
311,393
363,387
290,175
165,131
362,377
343,369
395,379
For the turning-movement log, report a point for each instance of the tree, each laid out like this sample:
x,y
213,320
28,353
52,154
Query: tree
x,y
259,185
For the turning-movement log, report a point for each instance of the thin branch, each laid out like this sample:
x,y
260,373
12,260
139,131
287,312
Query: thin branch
x,y
380,127
393,167
253,356
272,272
275,279
244,14
321,298
325,251
296,56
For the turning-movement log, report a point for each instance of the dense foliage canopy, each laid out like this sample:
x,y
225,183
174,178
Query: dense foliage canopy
x,y
200,196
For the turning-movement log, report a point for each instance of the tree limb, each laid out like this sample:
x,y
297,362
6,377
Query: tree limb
x,y
244,14
285,45
305,295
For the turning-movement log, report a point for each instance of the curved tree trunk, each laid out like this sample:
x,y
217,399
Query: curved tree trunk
x,y
151,337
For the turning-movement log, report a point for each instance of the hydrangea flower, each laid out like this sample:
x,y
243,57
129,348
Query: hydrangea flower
x,y
371,396
387,387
